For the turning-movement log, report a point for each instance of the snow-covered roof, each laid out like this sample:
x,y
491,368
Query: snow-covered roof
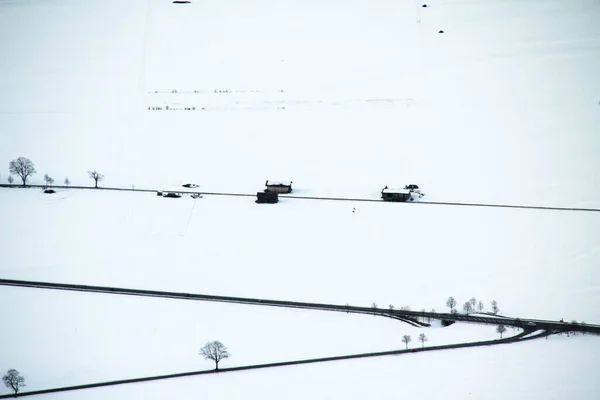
x,y
391,190
278,183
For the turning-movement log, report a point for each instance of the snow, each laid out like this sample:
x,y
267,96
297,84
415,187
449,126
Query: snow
x,y
391,190
345,98
278,183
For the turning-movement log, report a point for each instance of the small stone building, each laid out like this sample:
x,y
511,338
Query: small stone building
x,y
267,197
278,186
388,194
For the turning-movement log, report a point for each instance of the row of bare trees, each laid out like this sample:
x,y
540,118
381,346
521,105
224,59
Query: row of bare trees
x,y
406,339
471,306
24,168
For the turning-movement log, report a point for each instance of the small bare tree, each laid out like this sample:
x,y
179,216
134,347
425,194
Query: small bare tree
x,y
480,306
473,302
48,179
10,180
501,329
451,302
13,380
96,176
467,308
406,340
374,307
215,351
67,182
391,308
23,167
422,339
495,308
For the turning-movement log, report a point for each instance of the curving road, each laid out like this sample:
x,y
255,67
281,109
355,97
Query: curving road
x,y
512,339
411,317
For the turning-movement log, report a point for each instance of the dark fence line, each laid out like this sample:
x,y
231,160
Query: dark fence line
x,y
274,365
411,317
456,204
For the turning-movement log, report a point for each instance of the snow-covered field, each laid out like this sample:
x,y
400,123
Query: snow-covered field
x,y
343,98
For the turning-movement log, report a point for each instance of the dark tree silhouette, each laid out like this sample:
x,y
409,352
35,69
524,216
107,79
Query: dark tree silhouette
x,y
501,329
422,339
406,340
215,351
96,176
467,308
451,302
473,302
67,182
48,179
13,380
495,308
10,180
23,167
480,306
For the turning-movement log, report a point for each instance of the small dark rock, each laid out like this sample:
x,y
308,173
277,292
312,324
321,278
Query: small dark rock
x,y
49,191
441,32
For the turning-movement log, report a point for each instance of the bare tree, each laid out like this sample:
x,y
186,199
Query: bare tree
x,y
495,308
480,306
48,179
406,340
473,302
501,329
422,339
13,380
467,308
10,180
215,351
96,176
391,308
23,167
451,302
405,308
67,182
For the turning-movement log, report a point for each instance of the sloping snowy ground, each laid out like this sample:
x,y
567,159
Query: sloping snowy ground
x,y
555,369
502,107
536,264
83,338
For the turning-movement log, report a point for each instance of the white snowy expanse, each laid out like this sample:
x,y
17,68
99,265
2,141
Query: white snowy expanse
x,y
342,98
